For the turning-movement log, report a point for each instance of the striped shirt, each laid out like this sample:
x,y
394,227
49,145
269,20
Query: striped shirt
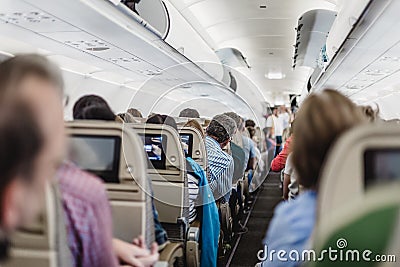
x,y
193,185
221,169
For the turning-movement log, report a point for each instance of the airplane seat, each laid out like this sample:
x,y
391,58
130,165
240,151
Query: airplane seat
x,y
369,223
167,169
44,242
115,154
358,193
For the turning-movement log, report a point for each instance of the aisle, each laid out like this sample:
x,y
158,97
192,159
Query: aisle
x,y
260,217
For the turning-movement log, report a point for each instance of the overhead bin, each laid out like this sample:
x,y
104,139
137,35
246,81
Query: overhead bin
x,y
312,31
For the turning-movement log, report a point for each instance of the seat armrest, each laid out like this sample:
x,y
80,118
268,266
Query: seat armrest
x,y
161,264
171,252
193,234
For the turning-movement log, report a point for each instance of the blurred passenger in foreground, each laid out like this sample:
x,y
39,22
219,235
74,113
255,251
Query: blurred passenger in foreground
x,y
31,138
38,83
321,120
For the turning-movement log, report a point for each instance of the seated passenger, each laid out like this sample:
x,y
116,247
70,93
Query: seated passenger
x,y
126,117
31,139
135,113
200,196
290,181
93,107
322,119
219,134
278,163
370,113
195,124
189,113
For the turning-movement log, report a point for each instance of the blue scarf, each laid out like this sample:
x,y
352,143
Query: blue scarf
x,y
210,227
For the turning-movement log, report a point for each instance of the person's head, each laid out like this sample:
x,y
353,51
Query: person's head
x,y
250,123
163,119
189,113
135,113
252,131
34,155
195,124
274,111
126,117
371,114
321,120
221,129
238,120
87,101
97,112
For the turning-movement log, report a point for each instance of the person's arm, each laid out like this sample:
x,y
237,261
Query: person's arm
x,y
286,182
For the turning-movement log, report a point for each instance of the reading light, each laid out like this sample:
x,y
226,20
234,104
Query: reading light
x,y
275,75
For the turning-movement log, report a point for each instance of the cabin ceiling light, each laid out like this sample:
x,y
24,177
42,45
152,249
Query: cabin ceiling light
x,y
275,75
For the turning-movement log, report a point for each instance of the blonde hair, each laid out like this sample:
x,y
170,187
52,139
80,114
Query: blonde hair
x,y
195,124
320,121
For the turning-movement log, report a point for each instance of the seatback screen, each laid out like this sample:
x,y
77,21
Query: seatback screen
x,y
187,143
381,165
99,155
155,146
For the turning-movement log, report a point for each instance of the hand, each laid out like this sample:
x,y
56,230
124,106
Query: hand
x,y
153,257
130,254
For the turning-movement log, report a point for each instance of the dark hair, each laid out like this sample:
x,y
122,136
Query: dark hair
x,y
20,143
135,113
97,112
251,130
250,123
221,128
189,113
14,70
163,119
92,107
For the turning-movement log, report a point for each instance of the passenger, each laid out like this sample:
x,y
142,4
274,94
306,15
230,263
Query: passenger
x,y
31,138
290,181
195,124
39,84
101,108
135,113
321,120
279,162
21,188
126,117
275,126
189,113
219,134
200,195
284,116
370,113
250,123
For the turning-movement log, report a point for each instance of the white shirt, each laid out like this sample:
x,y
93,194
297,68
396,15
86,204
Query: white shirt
x,y
276,123
285,119
294,184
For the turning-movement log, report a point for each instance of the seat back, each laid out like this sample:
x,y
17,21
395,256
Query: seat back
x,y
44,242
168,175
356,162
115,153
371,223
197,148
